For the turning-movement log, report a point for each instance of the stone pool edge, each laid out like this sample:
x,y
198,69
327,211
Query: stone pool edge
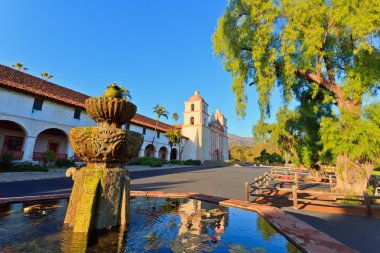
x,y
304,236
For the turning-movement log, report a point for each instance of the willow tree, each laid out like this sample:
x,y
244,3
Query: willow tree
x,y
327,46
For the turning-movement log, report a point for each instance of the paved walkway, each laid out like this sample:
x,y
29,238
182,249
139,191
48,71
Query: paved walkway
x,y
59,173
360,233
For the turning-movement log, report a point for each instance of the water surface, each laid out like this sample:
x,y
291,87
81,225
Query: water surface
x,y
157,225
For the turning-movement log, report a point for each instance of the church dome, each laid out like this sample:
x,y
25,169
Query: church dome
x,y
196,97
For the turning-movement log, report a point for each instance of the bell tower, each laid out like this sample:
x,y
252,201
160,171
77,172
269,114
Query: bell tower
x,y
196,111
196,121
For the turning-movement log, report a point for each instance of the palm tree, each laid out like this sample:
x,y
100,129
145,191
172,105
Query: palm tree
x,y
179,135
19,66
159,111
175,117
174,138
46,75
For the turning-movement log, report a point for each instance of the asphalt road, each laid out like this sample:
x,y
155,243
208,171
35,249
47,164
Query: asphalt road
x,y
360,233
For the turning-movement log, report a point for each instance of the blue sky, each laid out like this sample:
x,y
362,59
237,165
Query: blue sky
x,y
160,50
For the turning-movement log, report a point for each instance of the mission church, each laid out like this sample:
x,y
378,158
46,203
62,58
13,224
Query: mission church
x,y
37,115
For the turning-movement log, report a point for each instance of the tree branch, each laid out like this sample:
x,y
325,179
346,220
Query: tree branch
x,y
244,48
321,81
329,67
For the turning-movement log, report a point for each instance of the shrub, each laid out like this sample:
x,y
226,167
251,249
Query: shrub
x,y
192,162
147,161
156,163
65,162
28,166
178,162
47,157
5,161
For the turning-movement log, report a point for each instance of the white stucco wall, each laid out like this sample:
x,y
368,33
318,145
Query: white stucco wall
x,y
159,142
43,140
18,107
206,144
226,149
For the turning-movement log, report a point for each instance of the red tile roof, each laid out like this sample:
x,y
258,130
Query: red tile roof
x,y
142,120
196,97
26,83
23,82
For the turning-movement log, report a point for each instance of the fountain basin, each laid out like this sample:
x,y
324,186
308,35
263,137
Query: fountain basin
x,y
105,145
164,222
157,224
112,112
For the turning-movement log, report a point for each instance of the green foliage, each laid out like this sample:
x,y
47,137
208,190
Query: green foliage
x,y
65,162
147,161
267,158
27,166
358,138
115,91
327,49
269,42
160,111
351,201
261,131
192,162
177,162
250,154
296,132
19,66
46,76
5,160
174,137
47,157
175,117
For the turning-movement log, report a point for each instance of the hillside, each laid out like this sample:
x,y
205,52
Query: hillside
x,y
236,140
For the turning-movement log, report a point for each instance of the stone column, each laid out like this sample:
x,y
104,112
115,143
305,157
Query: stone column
x,y
69,150
167,155
29,148
156,153
141,153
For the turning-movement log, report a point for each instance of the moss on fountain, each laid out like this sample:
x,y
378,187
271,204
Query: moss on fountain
x,y
100,196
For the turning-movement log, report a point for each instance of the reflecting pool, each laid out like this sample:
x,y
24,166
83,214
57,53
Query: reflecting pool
x,y
157,225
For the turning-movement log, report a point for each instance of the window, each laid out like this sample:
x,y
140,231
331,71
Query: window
x,y
192,121
192,107
204,121
127,126
77,113
37,105
12,143
158,134
144,131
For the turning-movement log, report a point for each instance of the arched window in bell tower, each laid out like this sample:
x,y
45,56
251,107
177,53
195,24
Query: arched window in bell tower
x,y
192,107
192,121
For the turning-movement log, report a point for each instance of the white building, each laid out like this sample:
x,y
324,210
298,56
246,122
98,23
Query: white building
x,y
37,115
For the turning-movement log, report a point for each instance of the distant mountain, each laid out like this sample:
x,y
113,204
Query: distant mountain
x,y
236,140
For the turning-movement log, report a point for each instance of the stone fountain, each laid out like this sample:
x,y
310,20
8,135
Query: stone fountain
x,y
100,196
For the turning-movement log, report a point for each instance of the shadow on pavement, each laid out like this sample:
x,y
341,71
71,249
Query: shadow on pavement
x,y
157,186
358,232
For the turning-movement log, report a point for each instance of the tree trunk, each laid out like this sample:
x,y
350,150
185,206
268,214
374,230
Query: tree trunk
x,y
352,177
155,131
286,156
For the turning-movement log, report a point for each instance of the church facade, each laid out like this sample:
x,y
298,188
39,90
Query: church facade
x,y
36,116
207,133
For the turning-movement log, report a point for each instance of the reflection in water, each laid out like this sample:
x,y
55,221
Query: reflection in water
x,y
157,224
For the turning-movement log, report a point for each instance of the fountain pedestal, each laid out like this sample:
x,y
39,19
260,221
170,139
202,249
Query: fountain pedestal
x,y
100,196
